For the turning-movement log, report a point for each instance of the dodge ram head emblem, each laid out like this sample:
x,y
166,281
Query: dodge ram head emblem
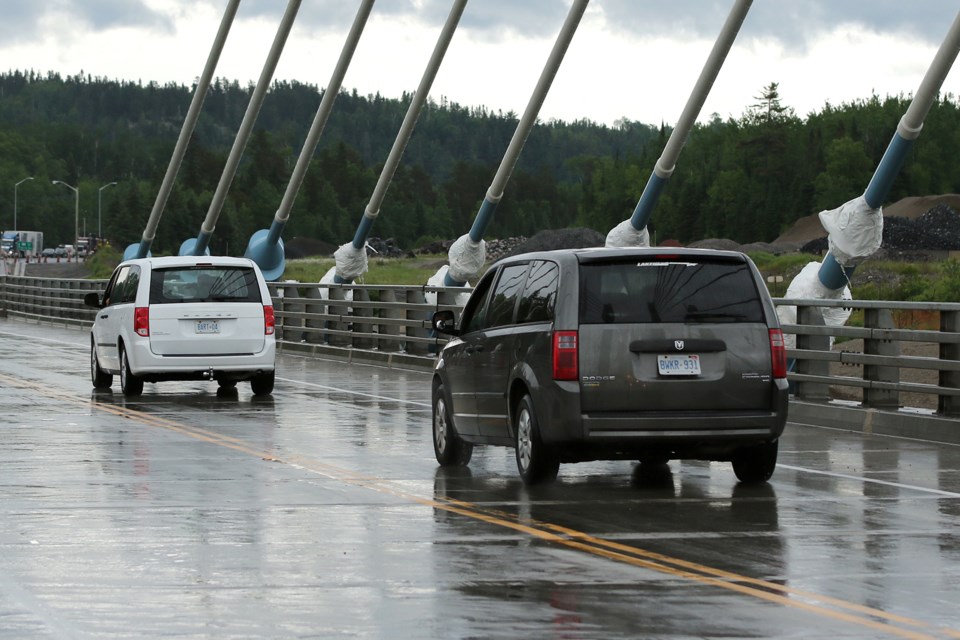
x,y
678,344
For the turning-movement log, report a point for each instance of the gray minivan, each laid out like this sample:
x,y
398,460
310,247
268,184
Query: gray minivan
x,y
648,354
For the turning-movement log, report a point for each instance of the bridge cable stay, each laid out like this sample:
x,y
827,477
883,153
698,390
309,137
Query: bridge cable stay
x,y
633,232
351,258
468,253
199,246
142,250
266,246
855,229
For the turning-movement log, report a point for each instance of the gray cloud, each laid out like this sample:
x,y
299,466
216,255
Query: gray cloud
x,y
21,18
792,22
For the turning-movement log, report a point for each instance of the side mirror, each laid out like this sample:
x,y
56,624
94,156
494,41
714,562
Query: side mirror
x,y
92,300
444,322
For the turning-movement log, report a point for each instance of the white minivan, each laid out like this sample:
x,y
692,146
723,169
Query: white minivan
x,y
184,318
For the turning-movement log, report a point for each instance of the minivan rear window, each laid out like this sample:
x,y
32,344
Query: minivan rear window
x,y
677,290
204,283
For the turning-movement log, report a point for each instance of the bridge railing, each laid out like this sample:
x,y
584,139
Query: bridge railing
x,y
889,355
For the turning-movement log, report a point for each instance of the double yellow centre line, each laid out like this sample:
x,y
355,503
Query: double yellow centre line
x,y
826,606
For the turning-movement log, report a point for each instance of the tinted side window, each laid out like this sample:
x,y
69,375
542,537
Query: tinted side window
x,y
475,311
114,291
204,284
505,295
652,291
540,293
130,285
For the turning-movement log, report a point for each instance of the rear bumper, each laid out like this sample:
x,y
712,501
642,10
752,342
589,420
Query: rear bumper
x,y
145,363
632,434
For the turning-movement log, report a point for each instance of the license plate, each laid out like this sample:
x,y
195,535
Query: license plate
x,y
685,365
208,326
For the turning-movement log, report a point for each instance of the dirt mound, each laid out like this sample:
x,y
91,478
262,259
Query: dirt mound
x,y
560,239
298,247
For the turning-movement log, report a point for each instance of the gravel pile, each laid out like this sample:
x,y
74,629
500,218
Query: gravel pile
x,y
938,228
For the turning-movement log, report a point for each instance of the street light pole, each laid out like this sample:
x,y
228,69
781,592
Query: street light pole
x,y
15,201
99,199
76,218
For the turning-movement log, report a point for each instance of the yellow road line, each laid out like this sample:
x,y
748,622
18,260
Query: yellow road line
x,y
842,610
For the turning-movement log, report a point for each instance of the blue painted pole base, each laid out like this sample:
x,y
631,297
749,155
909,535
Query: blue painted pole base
x,y
270,257
188,248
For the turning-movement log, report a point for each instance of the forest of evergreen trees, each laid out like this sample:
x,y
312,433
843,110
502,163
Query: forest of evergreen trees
x,y
746,178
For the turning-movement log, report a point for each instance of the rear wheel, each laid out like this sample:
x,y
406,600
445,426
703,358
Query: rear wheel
x,y
262,384
100,378
130,384
227,384
535,461
755,464
451,450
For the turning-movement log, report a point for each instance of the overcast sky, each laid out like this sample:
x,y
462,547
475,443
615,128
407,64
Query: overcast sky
x,y
635,59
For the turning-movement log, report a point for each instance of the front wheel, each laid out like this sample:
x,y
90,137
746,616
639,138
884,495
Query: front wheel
x,y
535,461
262,384
100,378
451,450
130,384
755,464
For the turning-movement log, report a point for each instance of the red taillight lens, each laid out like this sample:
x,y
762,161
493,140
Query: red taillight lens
x,y
566,360
778,354
269,322
141,321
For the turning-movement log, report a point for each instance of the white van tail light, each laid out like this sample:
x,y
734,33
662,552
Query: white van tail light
x,y
566,365
778,354
269,322
141,321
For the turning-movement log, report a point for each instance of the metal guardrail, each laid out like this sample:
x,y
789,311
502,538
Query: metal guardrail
x,y
390,325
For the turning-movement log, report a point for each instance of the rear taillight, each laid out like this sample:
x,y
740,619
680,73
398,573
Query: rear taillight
x,y
141,321
778,354
269,322
566,359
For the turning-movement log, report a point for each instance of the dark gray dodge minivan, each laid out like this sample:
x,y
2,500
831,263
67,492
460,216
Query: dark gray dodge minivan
x,y
648,354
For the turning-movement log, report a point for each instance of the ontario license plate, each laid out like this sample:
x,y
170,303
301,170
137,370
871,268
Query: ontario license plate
x,y
685,365
208,326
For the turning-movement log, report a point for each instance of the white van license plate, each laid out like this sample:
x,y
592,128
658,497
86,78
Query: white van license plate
x,y
208,326
685,365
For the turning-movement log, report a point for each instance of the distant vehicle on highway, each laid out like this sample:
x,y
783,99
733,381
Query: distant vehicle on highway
x,y
600,354
183,318
49,252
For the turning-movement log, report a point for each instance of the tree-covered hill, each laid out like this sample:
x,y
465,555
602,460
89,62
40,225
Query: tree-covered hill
x,y
747,178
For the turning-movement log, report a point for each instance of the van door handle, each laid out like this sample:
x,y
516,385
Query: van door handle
x,y
106,315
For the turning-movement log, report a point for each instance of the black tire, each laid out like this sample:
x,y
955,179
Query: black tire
x,y
227,384
130,384
100,378
262,385
756,464
536,462
451,450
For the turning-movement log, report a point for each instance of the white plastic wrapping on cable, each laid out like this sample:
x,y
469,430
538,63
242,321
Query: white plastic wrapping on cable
x,y
624,235
329,278
807,286
855,231
351,262
466,258
437,280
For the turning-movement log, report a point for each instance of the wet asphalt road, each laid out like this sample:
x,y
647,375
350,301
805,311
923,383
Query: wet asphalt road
x,y
321,513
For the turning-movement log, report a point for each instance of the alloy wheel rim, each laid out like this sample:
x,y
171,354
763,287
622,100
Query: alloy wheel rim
x,y
524,438
440,426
